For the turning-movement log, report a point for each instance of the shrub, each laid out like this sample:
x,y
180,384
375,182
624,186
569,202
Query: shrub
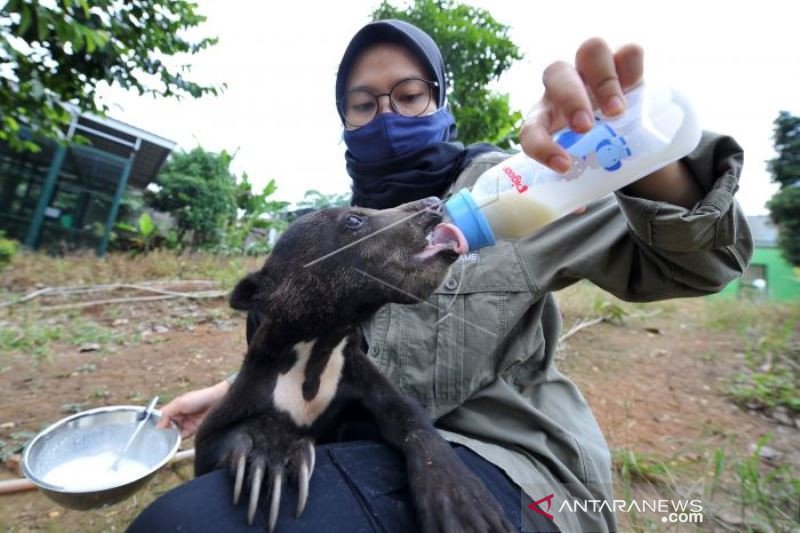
x,y
8,248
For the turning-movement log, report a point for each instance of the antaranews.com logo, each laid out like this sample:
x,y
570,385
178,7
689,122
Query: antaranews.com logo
x,y
673,511
588,510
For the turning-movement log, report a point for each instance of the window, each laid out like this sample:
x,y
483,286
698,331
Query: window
x,y
755,276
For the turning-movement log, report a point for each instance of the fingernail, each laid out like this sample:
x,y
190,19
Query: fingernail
x,y
614,106
559,163
582,121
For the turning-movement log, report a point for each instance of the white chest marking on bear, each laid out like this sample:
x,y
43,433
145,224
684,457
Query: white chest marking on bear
x,y
288,394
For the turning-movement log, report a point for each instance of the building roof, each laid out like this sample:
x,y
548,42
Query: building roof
x,y
118,138
765,233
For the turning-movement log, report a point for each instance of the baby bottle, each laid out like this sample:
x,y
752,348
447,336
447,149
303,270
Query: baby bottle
x,y
518,196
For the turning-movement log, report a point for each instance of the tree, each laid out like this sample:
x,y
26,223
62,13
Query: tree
x,y
784,206
313,199
476,50
198,189
61,51
254,212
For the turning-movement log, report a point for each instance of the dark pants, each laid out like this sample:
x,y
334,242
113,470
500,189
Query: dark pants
x,y
357,486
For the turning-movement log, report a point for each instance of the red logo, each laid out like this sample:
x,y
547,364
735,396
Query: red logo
x,y
516,179
535,506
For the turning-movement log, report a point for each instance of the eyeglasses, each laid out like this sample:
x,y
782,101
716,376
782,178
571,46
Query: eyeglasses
x,y
409,97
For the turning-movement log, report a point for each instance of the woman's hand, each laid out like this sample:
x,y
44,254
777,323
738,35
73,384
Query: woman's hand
x,y
188,410
598,80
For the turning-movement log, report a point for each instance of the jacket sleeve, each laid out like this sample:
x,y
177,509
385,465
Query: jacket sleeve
x,y
641,250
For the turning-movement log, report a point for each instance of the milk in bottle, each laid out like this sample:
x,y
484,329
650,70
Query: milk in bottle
x,y
518,196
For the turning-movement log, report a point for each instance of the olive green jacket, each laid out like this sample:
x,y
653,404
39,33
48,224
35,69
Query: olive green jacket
x,y
480,353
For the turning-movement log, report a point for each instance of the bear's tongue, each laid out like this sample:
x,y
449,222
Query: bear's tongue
x,y
444,237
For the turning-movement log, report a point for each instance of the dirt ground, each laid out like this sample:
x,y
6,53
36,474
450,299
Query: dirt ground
x,y
655,384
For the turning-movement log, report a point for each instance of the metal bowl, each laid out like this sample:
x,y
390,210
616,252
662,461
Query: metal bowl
x,y
71,460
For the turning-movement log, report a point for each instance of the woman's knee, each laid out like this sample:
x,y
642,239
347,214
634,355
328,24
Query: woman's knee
x,y
206,504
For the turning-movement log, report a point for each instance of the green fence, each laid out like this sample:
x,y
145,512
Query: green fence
x,y
61,198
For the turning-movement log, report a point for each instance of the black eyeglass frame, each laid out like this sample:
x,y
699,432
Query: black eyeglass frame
x,y
431,86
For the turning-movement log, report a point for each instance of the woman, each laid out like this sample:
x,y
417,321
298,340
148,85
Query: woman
x,y
481,359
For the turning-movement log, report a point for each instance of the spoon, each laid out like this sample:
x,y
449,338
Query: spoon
x,y
145,416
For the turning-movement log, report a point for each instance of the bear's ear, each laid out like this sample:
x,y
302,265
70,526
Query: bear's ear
x,y
244,292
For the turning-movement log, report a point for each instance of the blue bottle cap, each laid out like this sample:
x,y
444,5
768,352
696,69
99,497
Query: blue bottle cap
x,y
465,214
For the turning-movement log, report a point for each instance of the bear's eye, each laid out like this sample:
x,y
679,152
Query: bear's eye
x,y
353,221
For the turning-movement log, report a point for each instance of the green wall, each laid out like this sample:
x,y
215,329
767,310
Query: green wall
x,y
783,281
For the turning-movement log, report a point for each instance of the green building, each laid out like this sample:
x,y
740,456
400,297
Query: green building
x,y
67,197
770,275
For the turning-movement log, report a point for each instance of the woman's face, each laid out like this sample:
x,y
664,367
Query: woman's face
x,y
379,69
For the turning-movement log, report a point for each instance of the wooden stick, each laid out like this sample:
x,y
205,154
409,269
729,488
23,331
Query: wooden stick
x,y
12,486
183,455
27,297
218,294
82,289
116,286
588,323
105,302
579,326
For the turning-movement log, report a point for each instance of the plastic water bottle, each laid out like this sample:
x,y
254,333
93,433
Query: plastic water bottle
x,y
519,196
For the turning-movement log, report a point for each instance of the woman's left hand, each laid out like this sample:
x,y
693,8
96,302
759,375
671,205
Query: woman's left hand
x,y
598,79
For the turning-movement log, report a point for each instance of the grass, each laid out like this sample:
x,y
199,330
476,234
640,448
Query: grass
x,y
642,477
36,335
746,318
768,498
582,300
634,467
775,388
29,337
14,444
26,329
730,487
30,270
585,300
771,344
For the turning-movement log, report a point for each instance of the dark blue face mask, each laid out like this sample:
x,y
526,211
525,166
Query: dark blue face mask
x,y
390,135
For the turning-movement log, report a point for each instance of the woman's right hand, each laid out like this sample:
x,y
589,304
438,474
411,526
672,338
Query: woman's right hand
x,y
188,410
598,78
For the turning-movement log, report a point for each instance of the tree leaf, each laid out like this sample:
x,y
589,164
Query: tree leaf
x,y
146,226
115,41
25,21
476,50
784,206
88,36
42,30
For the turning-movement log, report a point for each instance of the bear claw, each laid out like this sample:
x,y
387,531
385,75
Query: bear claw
x,y
250,468
237,486
306,469
255,492
275,503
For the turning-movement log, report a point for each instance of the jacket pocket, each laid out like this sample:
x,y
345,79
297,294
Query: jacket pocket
x,y
441,355
472,322
444,349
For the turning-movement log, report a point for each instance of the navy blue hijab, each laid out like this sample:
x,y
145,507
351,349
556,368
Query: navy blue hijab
x,y
428,171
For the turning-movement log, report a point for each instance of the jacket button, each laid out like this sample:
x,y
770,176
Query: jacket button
x,y
451,284
374,351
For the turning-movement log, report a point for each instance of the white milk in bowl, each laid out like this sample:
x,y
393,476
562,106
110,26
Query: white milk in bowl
x,y
94,472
